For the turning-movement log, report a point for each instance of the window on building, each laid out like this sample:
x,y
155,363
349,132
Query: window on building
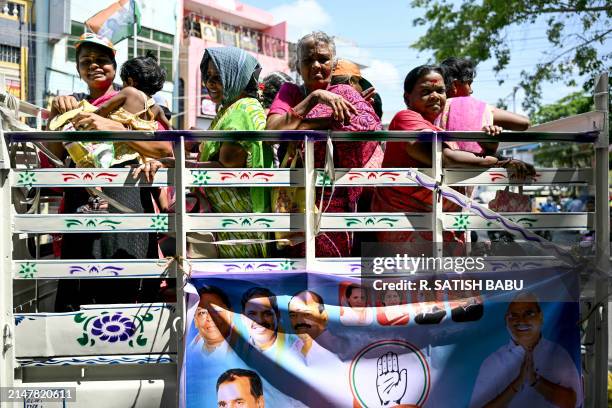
x,y
156,42
76,30
10,54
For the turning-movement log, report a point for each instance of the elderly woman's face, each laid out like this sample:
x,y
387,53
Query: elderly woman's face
x,y
95,67
316,65
428,96
213,83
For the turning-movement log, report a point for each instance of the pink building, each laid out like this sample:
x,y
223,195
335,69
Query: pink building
x,y
217,23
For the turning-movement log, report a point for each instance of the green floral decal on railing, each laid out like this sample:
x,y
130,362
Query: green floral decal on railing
x,y
287,265
323,179
370,221
200,177
91,223
26,178
462,222
159,223
113,328
523,221
246,222
27,270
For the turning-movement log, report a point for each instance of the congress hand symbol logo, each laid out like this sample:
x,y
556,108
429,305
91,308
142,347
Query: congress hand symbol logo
x,y
390,381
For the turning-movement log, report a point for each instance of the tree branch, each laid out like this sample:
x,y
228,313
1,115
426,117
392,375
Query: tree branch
x,y
597,37
570,10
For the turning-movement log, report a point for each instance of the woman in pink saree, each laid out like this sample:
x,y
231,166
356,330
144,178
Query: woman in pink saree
x,y
463,112
317,105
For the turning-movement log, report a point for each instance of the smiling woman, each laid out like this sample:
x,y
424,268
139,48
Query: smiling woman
x,y
96,66
230,75
425,98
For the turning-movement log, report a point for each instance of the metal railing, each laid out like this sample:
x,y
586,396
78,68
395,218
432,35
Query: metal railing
x,y
153,350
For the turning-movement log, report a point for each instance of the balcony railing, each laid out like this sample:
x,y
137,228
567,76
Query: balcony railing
x,y
241,37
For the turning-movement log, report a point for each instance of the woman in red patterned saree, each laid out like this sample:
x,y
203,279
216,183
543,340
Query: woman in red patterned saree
x,y
425,96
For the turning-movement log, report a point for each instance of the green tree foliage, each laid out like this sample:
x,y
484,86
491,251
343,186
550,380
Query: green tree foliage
x,y
478,29
564,154
569,105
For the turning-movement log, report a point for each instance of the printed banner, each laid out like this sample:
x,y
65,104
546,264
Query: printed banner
x,y
316,340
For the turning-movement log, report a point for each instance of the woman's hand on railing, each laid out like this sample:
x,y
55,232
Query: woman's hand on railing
x,y
150,168
492,130
91,121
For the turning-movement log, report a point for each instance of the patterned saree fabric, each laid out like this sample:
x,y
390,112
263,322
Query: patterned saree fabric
x,y
244,114
466,113
346,154
409,199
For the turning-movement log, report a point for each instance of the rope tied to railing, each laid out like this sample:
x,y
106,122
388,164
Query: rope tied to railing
x,y
329,172
438,188
460,199
179,260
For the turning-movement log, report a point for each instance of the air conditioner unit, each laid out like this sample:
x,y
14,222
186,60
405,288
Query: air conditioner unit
x,y
59,20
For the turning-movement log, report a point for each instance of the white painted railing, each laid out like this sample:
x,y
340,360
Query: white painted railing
x,y
150,343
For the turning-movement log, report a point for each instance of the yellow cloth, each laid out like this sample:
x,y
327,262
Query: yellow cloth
x,y
131,121
63,119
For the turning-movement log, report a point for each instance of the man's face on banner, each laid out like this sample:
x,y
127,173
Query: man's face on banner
x,y
307,316
237,394
260,319
207,328
524,321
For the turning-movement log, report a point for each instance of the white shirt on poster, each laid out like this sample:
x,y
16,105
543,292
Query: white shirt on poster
x,y
361,316
197,346
317,356
550,360
323,369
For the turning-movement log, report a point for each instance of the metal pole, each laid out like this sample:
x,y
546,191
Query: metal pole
x,y
602,242
310,192
175,62
436,200
7,321
181,253
135,36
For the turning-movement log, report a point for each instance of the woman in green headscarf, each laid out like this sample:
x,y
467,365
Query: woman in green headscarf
x,y
230,76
